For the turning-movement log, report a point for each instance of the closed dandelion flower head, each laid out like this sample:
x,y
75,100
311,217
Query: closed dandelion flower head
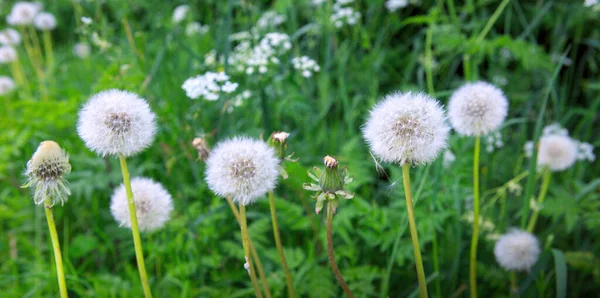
x,y
153,204
116,122
6,85
7,54
23,13
476,109
557,152
406,127
45,21
10,37
243,169
45,174
517,250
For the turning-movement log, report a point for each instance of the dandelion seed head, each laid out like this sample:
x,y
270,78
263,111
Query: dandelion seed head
x,y
476,109
10,37
6,85
393,5
153,204
116,122
23,13
45,21
557,152
243,169
406,127
180,13
8,54
45,173
517,250
82,50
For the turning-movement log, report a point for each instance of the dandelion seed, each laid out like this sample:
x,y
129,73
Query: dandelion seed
x,y
517,250
23,13
10,37
45,21
6,85
45,174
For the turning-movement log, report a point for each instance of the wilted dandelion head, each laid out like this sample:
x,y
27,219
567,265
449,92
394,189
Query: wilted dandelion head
x,y
517,250
10,37
45,21
23,13
153,204
116,122
557,152
476,109
243,169
406,127
6,85
7,54
45,173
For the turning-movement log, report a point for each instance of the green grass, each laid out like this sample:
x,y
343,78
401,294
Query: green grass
x,y
199,252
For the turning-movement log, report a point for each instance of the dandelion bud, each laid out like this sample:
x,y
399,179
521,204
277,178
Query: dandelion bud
x,y
45,171
278,141
116,122
7,54
517,250
406,127
10,37
243,169
23,13
153,204
557,152
45,21
476,109
331,184
331,180
6,85
201,147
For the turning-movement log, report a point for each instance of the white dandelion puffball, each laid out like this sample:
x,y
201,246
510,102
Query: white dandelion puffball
x,y
116,122
406,127
6,85
517,250
45,174
45,21
180,12
557,152
243,169
23,13
8,54
476,109
82,50
153,204
10,37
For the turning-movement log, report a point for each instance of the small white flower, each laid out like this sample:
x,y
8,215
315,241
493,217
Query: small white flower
x,y
590,3
229,87
116,122
554,129
45,21
557,152
449,159
393,5
305,65
270,19
195,28
208,85
406,127
23,13
494,140
243,169
86,20
153,204
517,250
528,148
6,85
180,12
585,152
10,37
82,50
45,174
7,54
476,109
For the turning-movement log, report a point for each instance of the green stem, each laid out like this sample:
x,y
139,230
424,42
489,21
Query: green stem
x,y
492,20
514,289
436,263
60,273
413,230
473,262
467,67
288,276
246,244
429,59
334,266
48,49
547,174
135,231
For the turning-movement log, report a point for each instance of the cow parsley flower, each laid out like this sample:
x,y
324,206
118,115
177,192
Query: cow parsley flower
x,y
45,21
270,19
195,28
6,85
82,50
590,3
264,55
10,37
180,13
23,13
45,174
476,109
585,151
305,65
7,54
493,141
406,127
116,122
557,152
153,204
208,85
243,169
344,15
393,5
517,250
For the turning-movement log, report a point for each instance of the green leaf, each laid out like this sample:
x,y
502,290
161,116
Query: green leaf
x,y
560,266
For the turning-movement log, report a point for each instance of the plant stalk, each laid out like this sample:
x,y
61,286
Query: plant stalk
x,y
334,266
547,175
60,273
475,238
288,276
246,244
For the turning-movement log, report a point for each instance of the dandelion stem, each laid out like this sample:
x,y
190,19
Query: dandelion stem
x,y
514,289
475,238
135,231
413,230
288,276
547,174
60,273
259,266
334,266
48,49
246,244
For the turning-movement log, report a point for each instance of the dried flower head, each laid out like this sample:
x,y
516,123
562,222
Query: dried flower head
x,y
45,174
243,169
476,109
153,204
517,250
331,184
10,37
7,54
116,122
23,13
45,21
6,85
278,141
201,147
557,152
406,127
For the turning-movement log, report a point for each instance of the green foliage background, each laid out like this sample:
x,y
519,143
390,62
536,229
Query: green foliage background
x,y
199,252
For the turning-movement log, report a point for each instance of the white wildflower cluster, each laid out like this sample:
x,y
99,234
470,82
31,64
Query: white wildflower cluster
x,y
585,151
488,228
10,37
238,100
305,65
493,141
180,13
261,57
517,251
270,19
208,85
6,85
393,5
317,2
196,28
100,42
344,15
590,3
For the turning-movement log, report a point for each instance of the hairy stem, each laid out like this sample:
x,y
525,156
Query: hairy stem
x,y
246,244
288,276
60,273
475,238
334,266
